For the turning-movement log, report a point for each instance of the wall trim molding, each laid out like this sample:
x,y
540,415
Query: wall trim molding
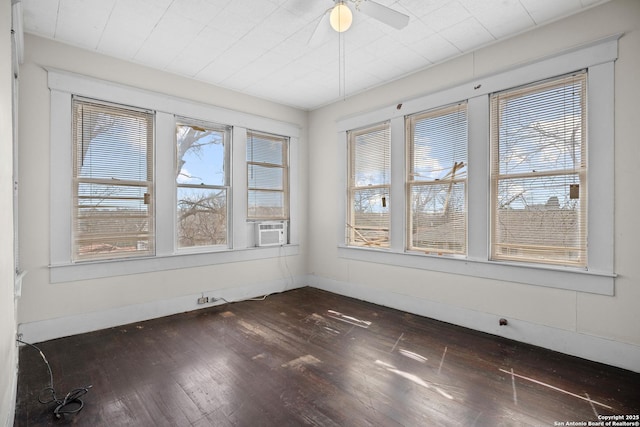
x,y
13,393
44,330
590,347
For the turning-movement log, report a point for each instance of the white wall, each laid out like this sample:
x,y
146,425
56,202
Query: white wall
x,y
8,349
47,309
603,328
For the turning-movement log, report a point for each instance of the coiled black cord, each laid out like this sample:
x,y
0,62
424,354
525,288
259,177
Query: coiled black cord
x,y
71,403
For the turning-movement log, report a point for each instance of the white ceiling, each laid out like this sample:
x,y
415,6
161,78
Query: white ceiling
x,y
260,47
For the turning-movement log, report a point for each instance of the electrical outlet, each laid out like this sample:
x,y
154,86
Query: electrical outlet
x,y
203,300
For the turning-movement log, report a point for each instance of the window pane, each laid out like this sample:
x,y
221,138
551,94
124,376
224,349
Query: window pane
x,y
113,215
266,178
266,204
111,220
201,155
439,143
371,159
541,130
262,148
538,220
112,145
539,172
439,218
369,225
202,217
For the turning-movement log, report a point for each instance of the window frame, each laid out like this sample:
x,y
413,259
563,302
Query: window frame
x,y
412,182
285,177
78,180
63,85
599,277
497,177
351,230
227,186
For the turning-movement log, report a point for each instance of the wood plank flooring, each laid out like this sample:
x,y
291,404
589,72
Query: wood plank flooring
x,y
309,357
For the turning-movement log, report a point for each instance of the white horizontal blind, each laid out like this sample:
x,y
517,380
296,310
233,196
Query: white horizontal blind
x,y
538,172
369,184
437,180
202,184
267,176
113,181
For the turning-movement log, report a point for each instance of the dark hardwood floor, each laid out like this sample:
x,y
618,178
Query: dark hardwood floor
x,y
309,357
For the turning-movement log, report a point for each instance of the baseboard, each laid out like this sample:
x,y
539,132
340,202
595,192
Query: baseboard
x,y
615,353
597,349
44,330
13,395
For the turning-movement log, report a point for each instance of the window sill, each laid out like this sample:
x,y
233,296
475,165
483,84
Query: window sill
x,y
540,275
121,267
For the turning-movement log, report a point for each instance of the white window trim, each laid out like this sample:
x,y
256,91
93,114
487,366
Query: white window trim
x,y
599,278
63,85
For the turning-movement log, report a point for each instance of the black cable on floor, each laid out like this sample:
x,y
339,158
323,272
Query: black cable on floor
x,y
71,403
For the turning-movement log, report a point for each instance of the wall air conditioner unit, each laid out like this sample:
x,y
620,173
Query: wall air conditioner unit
x,y
271,233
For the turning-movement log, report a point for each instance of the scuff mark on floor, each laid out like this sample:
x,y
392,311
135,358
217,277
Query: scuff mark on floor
x,y
301,361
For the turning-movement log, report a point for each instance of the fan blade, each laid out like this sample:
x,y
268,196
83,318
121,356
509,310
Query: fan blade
x,y
384,14
321,31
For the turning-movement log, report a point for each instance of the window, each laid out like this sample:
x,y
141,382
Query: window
x,y
112,181
142,182
202,184
437,176
369,185
539,172
267,176
540,140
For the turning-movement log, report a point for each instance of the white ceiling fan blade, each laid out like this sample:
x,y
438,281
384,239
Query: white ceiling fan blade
x,y
321,31
384,14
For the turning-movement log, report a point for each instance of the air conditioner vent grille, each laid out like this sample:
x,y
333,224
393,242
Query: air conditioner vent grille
x,y
271,234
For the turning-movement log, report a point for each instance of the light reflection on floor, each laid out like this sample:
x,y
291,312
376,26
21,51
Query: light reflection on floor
x,y
348,319
514,375
329,329
326,328
413,378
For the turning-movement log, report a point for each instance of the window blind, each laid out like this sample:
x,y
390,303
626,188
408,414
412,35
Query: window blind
x,y
437,208
113,181
267,176
369,185
539,172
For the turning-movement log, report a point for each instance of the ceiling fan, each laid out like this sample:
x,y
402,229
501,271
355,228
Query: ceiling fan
x,y
339,17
